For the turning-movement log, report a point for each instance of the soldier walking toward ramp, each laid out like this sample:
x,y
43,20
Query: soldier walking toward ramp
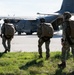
x,y
45,32
67,38
7,33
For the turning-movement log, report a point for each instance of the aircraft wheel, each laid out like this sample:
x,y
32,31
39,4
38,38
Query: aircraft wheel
x,y
19,33
29,33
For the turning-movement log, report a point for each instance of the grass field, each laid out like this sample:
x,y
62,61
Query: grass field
x,y
28,63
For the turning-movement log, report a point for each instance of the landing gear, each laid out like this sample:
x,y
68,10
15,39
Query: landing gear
x,y
19,33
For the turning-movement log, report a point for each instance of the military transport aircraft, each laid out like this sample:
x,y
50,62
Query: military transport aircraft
x,y
67,5
29,25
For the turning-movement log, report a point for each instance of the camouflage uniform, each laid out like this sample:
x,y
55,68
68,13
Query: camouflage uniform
x,y
5,41
65,42
42,40
66,46
40,43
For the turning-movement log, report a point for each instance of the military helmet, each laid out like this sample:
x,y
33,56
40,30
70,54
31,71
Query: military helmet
x,y
42,20
67,15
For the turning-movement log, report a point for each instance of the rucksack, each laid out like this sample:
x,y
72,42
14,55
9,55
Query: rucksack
x,y
70,28
9,30
47,30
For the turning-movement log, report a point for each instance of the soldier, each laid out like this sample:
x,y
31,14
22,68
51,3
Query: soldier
x,y
7,33
67,40
44,37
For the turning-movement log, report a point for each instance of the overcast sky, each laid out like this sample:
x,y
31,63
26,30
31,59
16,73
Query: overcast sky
x,y
28,7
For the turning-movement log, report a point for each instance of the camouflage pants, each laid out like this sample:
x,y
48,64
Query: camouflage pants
x,y
6,43
65,50
40,43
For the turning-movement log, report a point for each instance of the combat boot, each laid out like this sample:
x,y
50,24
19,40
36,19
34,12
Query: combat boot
x,y
5,51
8,50
62,65
40,56
47,56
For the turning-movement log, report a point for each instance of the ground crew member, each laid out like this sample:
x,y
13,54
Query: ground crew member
x,y
42,40
5,40
66,40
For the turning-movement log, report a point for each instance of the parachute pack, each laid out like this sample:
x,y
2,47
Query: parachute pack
x,y
71,29
47,30
9,30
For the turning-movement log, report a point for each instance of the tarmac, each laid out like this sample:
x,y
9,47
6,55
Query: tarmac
x,y
29,43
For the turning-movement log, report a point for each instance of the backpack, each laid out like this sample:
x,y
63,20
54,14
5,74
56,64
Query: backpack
x,y
47,30
70,28
71,23
9,30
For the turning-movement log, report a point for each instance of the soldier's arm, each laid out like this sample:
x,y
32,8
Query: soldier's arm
x,y
2,30
39,31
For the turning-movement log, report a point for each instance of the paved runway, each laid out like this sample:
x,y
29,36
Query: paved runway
x,y
29,43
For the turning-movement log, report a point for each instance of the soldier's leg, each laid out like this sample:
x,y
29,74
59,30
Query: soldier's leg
x,y
64,53
65,48
47,49
40,42
9,44
72,47
4,43
68,52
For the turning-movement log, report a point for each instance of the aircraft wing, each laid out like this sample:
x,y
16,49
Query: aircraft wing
x,y
49,14
18,17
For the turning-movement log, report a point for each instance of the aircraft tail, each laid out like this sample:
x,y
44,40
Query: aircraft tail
x,y
67,5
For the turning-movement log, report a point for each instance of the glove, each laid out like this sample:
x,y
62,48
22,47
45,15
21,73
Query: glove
x,y
62,41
